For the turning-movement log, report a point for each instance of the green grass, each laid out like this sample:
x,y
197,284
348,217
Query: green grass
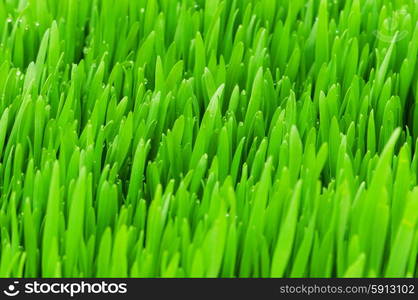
x,y
208,138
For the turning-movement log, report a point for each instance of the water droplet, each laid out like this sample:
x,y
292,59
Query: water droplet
x,y
142,10
9,20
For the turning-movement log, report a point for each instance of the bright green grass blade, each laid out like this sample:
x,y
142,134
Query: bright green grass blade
x,y
286,238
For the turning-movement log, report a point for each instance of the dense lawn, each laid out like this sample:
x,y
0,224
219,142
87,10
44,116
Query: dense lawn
x,y
208,138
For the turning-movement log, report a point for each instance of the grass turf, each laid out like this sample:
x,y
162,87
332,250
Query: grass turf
x,y
206,138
